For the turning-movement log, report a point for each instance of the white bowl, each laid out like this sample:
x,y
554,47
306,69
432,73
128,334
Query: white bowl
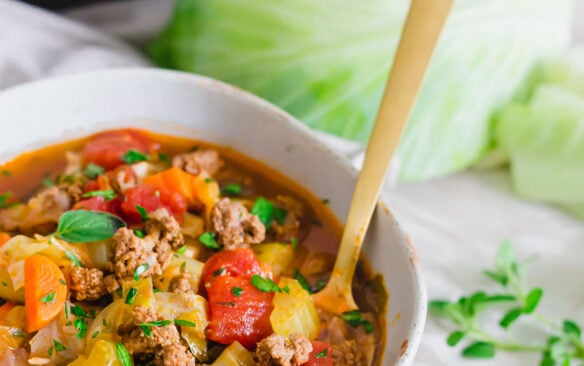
x,y
182,104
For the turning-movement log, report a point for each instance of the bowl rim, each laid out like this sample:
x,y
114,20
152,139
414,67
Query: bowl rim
x,y
419,309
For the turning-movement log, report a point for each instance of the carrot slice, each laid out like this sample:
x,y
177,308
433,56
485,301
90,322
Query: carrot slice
x,y
174,179
45,291
4,310
4,237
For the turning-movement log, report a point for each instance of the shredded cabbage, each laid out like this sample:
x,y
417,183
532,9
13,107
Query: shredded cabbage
x,y
326,63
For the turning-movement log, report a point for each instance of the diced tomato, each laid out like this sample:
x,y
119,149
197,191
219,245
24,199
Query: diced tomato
x,y
238,311
129,174
318,356
106,149
151,198
240,262
99,204
90,186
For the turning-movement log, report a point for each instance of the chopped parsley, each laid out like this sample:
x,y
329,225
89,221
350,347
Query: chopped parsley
x,y
58,346
319,285
93,170
78,311
124,355
81,325
4,199
48,182
73,259
50,297
139,270
108,194
143,213
263,209
95,334
208,180
134,156
139,233
322,354
208,240
355,319
231,189
237,291
280,215
184,323
62,282
302,280
325,201
132,292
181,250
6,173
165,158
267,284
157,323
294,242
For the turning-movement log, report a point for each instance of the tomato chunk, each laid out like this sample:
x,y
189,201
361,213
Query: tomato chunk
x,y
151,198
238,311
240,262
320,355
107,149
100,204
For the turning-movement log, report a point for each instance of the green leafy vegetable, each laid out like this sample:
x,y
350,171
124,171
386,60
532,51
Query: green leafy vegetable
x,y
58,346
139,270
48,182
108,194
134,156
139,233
123,355
143,213
263,209
49,297
232,189
81,226
165,158
266,284
237,291
208,240
355,319
326,62
81,325
322,354
73,259
93,170
131,296
4,198
184,323
78,311
563,344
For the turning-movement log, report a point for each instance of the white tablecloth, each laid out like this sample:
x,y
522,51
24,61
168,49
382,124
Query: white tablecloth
x,y
456,222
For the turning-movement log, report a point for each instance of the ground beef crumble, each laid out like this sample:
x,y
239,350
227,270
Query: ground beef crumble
x,y
348,353
87,284
163,343
277,350
155,249
199,161
234,227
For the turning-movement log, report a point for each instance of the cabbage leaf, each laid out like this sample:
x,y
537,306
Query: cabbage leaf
x,y
326,62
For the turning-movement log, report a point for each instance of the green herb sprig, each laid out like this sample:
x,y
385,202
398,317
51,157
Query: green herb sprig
x,y
516,301
81,226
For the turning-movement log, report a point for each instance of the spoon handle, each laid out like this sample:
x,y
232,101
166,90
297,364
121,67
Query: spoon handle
x,y
421,31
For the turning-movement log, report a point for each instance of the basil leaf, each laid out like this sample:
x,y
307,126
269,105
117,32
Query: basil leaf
x,y
479,350
93,170
208,240
134,156
81,226
263,209
231,189
124,355
108,194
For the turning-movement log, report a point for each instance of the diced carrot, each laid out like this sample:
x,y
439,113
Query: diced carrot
x,y
196,189
4,237
4,309
45,291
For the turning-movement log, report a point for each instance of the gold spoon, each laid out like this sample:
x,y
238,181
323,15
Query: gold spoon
x,y
419,37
